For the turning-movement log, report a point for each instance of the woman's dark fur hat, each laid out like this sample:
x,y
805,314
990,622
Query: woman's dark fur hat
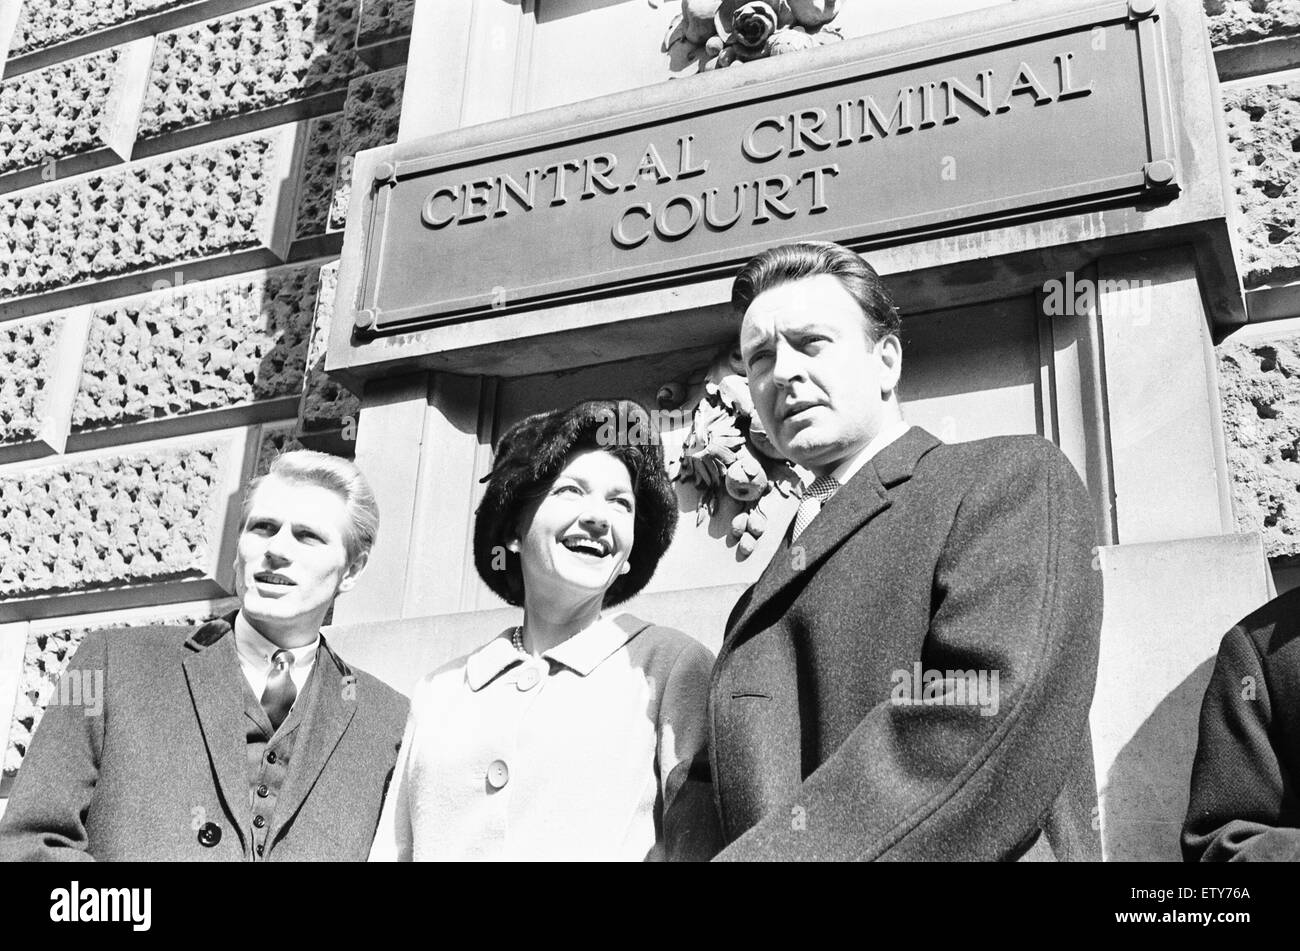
x,y
531,455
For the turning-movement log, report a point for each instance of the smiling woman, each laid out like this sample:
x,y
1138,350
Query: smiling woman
x,y
585,735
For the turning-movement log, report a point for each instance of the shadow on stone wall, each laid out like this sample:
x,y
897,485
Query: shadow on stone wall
x,y
1146,792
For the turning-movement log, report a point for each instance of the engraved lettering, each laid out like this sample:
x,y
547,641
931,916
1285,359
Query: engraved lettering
x,y
749,146
525,195
598,168
559,169
953,88
474,199
620,236
1025,82
651,164
710,208
429,213
900,117
662,228
765,200
818,176
1065,74
804,127
684,167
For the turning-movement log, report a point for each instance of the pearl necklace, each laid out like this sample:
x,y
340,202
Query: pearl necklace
x,y
517,639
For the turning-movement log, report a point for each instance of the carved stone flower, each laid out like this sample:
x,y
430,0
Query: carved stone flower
x,y
813,14
748,25
789,41
697,19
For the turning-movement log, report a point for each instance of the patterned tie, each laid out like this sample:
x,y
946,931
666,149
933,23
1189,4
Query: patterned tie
x,y
814,497
280,692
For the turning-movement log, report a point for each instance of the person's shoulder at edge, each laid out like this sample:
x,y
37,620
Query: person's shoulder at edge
x,y
1010,451
146,646
452,675
1269,627
377,698
657,644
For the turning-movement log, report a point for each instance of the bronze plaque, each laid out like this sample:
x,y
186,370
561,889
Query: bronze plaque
x,y
1064,114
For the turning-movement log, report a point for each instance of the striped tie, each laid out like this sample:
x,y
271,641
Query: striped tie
x,y
814,497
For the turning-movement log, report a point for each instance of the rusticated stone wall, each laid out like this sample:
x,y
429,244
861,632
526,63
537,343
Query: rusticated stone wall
x,y
203,346
42,25
1248,21
324,402
383,20
26,353
1260,384
57,111
195,205
169,170
138,517
1264,129
262,57
370,119
1259,368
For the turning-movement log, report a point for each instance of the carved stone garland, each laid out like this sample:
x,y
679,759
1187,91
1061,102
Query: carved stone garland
x,y
727,451
721,33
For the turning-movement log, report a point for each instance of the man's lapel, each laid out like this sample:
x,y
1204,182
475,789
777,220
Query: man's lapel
x,y
323,726
854,505
216,688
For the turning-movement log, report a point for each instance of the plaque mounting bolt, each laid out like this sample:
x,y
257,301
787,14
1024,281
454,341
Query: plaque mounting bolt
x,y
364,319
1138,9
384,173
1159,173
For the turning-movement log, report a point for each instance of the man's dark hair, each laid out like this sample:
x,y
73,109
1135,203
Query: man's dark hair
x,y
793,262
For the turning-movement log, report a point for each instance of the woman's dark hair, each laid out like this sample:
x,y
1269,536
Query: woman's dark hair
x,y
793,262
533,453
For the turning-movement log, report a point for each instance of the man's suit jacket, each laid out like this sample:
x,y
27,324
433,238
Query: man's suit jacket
x,y
1244,802
167,757
968,557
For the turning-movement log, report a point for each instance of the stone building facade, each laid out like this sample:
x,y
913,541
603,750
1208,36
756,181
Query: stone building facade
x,y
173,186
176,183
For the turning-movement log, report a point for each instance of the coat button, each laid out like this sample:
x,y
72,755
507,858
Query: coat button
x,y
498,774
528,679
260,848
259,821
263,791
209,834
270,757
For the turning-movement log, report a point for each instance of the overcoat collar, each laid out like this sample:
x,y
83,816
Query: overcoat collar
x,y
216,688
855,504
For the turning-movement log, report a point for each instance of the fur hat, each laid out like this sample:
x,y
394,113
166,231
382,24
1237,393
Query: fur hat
x,y
529,458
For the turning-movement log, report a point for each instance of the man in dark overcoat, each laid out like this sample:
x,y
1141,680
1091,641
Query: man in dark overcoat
x,y
911,675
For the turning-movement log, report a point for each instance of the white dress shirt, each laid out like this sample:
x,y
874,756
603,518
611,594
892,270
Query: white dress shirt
x,y
255,652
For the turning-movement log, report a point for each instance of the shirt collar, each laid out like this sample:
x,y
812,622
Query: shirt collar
x,y
847,469
256,649
581,653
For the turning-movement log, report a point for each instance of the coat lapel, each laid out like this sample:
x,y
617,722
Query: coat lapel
x,y
216,689
321,731
864,497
